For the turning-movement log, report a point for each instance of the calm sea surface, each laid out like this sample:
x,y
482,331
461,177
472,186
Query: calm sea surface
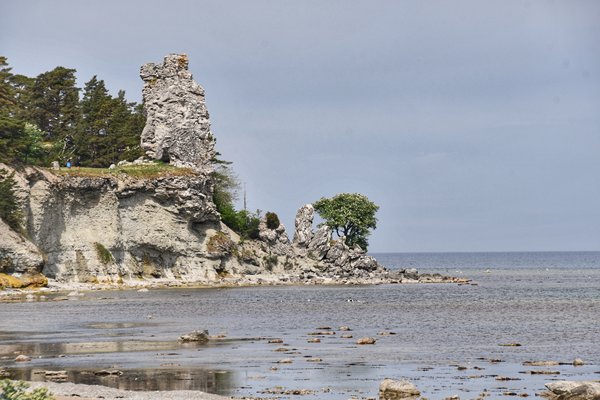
x,y
447,338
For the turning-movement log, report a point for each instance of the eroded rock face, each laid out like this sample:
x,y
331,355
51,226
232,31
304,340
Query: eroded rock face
x,y
177,126
18,255
112,229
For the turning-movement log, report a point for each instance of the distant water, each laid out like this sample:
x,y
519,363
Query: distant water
x,y
548,303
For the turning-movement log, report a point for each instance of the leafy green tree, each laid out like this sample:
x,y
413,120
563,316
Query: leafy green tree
x,y
10,209
349,214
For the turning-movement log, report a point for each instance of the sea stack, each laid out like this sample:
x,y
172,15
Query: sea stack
x,y
177,124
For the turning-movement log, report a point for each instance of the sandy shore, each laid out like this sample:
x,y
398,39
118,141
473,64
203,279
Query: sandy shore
x,y
64,391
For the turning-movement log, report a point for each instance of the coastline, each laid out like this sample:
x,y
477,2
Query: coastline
x,y
67,390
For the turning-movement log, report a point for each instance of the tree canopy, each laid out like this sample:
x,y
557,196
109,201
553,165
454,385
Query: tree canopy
x,y
43,119
349,214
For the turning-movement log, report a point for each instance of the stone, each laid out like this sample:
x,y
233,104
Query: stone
x,y
303,225
574,390
346,336
108,372
578,362
276,341
314,340
285,361
366,340
22,358
112,166
345,328
195,337
56,376
391,389
177,126
540,363
55,165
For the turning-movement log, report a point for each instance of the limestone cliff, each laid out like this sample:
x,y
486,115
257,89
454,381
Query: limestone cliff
x,y
161,226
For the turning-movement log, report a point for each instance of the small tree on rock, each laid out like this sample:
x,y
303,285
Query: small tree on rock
x,y
349,214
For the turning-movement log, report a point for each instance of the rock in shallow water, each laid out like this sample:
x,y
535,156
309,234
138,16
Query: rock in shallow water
x,y
195,337
366,340
391,389
573,390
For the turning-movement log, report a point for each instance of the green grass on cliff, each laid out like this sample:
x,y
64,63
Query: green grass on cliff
x,y
149,171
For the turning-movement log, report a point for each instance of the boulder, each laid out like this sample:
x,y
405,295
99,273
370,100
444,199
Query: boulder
x,y
366,340
177,124
572,390
391,389
303,233
195,337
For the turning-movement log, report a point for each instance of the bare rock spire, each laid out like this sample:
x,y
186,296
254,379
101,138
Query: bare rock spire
x,y
177,126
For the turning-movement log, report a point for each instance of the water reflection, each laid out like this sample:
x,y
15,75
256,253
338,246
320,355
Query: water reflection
x,y
206,380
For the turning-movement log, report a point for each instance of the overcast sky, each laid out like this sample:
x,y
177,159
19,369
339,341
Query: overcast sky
x,y
475,125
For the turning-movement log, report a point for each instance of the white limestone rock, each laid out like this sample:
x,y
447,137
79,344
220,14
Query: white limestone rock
x,y
177,124
303,225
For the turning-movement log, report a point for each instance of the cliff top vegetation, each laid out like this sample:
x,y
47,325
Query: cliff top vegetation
x,y
143,171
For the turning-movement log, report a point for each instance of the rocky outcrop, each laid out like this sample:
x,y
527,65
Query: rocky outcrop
x,y
177,122
572,390
304,222
109,227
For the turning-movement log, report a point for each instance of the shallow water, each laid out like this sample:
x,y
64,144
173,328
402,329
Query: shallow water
x,y
546,302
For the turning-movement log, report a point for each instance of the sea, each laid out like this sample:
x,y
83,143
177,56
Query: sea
x,y
468,340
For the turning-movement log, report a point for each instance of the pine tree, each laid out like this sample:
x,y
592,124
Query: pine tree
x,y
10,210
55,108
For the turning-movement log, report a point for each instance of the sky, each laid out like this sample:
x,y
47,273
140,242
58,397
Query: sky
x,y
474,125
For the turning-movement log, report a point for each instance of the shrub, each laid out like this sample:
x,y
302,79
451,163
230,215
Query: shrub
x,y
272,220
104,255
17,390
220,243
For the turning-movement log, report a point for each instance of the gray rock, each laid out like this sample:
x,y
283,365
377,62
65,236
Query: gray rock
x,y
17,254
391,389
572,390
320,243
55,165
303,233
177,125
112,166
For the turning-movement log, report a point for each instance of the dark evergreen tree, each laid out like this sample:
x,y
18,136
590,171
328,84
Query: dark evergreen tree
x,y
10,210
55,109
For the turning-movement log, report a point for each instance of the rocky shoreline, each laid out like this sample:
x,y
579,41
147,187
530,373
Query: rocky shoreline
x,y
389,389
